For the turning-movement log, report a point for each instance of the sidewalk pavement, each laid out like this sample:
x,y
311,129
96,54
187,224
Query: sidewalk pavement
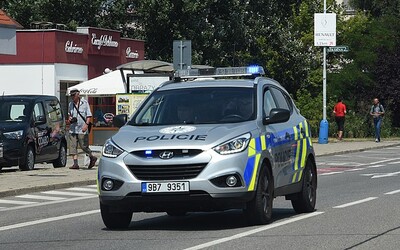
x,y
45,177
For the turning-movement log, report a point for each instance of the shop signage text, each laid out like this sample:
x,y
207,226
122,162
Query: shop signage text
x,y
70,47
104,40
131,54
88,91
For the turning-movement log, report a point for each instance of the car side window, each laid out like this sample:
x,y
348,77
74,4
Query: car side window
x,y
38,112
54,110
281,100
268,102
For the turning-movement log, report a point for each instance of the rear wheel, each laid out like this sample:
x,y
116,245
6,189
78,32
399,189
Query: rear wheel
x,y
259,210
304,201
61,161
28,161
115,220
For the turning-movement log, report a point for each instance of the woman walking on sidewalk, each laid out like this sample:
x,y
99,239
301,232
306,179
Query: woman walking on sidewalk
x,y
340,111
377,112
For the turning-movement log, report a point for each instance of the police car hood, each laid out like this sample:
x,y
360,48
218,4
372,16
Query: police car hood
x,y
131,138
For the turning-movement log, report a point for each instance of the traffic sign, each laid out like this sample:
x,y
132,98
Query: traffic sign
x,y
338,49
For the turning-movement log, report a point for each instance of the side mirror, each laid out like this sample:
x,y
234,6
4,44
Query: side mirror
x,y
120,120
277,116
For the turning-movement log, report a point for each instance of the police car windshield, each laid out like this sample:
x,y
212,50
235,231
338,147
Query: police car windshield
x,y
197,106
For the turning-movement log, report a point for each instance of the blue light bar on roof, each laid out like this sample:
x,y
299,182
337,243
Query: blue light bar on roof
x,y
220,72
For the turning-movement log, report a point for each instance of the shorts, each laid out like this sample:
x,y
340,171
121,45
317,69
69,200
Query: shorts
x,y
340,122
82,140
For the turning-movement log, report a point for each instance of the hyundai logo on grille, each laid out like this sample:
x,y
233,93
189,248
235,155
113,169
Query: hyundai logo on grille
x,y
166,155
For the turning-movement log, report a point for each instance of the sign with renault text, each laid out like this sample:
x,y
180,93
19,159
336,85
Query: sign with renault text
x,y
324,29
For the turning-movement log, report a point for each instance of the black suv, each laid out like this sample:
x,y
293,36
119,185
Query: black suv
x,y
32,130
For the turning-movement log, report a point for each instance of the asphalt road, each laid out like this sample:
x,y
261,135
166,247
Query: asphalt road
x,y
358,207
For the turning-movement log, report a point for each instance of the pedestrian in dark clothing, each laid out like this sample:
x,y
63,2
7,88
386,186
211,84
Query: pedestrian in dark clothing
x,y
340,112
377,112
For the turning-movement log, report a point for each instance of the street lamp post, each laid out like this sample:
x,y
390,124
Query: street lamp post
x,y
324,125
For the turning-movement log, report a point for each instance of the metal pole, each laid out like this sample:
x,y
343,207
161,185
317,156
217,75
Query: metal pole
x,y
181,55
324,126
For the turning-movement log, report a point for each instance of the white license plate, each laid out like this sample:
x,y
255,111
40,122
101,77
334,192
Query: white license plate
x,y
165,187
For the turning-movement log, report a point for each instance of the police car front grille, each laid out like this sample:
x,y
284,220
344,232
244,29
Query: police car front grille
x,y
166,172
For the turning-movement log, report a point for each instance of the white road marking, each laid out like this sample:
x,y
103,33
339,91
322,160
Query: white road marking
x,y
17,202
82,189
356,202
66,193
354,169
41,197
92,186
36,222
376,166
377,162
385,175
393,192
48,203
254,231
392,163
331,173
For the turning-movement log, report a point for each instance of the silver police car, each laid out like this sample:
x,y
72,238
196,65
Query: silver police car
x,y
209,140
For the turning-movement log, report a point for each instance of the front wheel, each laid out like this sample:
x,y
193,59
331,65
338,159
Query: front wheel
x,y
28,161
259,210
115,220
304,201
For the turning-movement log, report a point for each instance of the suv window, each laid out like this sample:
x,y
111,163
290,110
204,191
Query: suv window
x,y
281,100
269,102
12,111
197,106
38,111
53,110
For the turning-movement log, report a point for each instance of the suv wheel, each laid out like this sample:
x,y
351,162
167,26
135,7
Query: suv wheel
x,y
259,210
304,201
61,161
28,162
115,220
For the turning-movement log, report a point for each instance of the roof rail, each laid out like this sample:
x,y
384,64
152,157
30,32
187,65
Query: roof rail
x,y
250,71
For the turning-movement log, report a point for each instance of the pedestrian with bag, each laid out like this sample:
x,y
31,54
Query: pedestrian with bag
x,y
377,112
340,112
79,116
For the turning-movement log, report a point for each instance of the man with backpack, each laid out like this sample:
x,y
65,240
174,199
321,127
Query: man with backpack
x,y
377,112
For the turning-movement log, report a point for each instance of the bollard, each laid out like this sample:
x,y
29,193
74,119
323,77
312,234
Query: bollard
x,y
323,132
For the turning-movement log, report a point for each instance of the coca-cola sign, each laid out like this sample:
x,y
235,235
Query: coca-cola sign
x,y
88,91
103,40
70,47
131,54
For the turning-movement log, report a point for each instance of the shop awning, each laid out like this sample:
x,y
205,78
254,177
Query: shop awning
x,y
105,85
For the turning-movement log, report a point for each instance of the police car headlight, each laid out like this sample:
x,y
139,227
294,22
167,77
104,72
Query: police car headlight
x,y
111,150
233,146
14,135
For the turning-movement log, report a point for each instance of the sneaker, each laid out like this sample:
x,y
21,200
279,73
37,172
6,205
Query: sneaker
x,y
93,160
74,167
376,140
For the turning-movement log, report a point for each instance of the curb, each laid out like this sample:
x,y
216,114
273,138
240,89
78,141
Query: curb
x,y
357,150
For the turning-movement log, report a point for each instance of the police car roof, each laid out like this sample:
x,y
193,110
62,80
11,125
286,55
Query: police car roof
x,y
246,83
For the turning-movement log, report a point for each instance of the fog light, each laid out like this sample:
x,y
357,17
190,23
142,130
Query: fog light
x,y
231,181
108,184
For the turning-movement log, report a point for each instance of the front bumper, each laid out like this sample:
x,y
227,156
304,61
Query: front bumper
x,y
204,194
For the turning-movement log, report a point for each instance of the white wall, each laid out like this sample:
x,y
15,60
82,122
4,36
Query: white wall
x,y
37,78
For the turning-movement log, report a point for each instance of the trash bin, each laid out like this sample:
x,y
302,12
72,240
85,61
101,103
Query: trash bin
x,y
323,132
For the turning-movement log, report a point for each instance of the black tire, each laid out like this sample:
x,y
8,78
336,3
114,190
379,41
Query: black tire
x,y
304,201
61,161
115,220
176,213
259,210
28,161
